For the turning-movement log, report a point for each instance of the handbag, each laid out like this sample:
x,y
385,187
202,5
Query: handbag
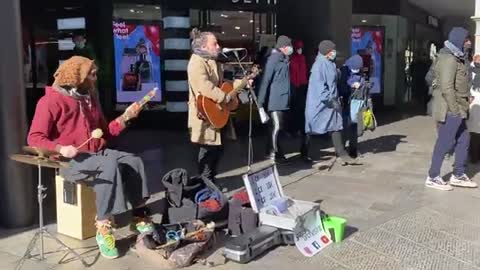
x,y
355,106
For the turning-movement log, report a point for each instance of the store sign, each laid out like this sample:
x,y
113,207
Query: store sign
x,y
137,59
255,2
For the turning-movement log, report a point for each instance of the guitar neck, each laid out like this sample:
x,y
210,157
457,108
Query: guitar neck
x,y
242,85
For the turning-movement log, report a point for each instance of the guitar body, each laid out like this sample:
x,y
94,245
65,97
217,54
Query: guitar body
x,y
218,114
227,88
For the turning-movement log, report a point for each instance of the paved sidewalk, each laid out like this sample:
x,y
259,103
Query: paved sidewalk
x,y
394,222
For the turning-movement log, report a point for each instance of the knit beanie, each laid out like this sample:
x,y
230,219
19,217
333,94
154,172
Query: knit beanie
x,y
73,71
355,62
297,44
326,46
283,41
457,36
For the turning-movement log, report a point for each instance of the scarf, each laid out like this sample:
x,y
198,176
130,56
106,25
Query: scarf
x,y
456,51
203,53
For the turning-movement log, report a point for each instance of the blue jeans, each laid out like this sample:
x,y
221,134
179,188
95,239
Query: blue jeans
x,y
452,133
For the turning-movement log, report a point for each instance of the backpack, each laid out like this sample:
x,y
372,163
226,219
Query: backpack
x,y
184,196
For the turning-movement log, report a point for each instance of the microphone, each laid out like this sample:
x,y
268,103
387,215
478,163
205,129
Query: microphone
x,y
227,50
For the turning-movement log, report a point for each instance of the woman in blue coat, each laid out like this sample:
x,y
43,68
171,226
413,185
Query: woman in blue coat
x,y
323,112
351,82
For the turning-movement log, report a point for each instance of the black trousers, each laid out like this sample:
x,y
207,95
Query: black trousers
x,y
276,125
474,147
208,159
297,116
350,134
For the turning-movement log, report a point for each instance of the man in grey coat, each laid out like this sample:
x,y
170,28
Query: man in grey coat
x,y
450,110
274,94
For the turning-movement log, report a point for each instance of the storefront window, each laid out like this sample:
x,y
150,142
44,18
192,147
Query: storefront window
x,y
236,29
54,30
27,56
195,18
137,49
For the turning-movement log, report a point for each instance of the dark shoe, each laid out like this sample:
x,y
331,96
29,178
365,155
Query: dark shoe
x,y
281,160
353,153
306,159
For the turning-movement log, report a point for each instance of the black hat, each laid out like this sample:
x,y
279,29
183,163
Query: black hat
x,y
283,41
326,46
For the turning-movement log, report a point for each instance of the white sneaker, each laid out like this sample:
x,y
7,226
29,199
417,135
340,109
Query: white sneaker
x,y
438,183
462,181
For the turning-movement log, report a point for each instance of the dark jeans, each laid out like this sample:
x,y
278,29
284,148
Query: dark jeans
x,y
117,176
452,133
276,125
208,159
350,134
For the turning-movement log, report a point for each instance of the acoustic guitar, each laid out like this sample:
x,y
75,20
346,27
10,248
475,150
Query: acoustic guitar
x,y
217,114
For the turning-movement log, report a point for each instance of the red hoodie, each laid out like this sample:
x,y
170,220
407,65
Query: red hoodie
x,y
298,66
61,120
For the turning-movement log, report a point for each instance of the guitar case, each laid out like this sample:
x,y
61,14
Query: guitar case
x,y
249,246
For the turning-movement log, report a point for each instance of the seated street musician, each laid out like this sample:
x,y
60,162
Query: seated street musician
x,y
64,120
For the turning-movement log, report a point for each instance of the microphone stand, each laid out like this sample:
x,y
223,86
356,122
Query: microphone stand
x,y
251,99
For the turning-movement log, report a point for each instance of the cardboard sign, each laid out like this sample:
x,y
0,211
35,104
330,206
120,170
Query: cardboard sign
x,y
264,187
310,238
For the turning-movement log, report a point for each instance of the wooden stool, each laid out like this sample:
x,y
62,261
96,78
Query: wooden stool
x,y
76,209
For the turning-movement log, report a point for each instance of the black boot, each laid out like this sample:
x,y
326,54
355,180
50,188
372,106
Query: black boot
x,y
353,152
304,150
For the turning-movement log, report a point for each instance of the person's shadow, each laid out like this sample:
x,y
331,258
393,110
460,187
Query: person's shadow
x,y
384,144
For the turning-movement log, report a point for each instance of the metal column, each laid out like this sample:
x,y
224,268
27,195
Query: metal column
x,y
17,204
476,18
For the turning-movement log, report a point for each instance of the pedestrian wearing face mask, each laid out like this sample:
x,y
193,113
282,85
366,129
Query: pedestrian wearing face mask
x,y
81,48
323,112
351,85
451,102
299,80
274,94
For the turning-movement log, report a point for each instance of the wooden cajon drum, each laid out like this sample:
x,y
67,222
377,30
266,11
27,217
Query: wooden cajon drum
x,y
75,209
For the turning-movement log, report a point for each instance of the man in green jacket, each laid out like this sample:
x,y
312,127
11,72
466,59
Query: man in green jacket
x,y
450,110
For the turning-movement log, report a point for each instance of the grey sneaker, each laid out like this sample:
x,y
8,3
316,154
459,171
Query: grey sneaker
x,y
462,181
438,183
349,161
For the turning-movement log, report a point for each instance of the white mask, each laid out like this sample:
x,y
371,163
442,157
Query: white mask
x,y
300,51
80,44
355,71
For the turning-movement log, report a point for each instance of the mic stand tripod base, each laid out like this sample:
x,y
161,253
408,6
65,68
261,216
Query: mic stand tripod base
x,y
39,235
43,232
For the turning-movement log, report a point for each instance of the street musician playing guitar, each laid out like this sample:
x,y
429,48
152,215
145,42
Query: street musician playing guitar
x,y
205,75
